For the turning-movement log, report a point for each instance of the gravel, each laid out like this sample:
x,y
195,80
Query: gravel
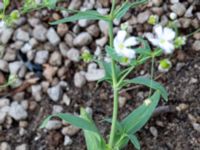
x,y
79,79
82,39
53,125
70,130
179,9
39,33
37,92
67,141
143,17
6,35
4,65
55,93
73,55
55,59
15,66
41,57
22,35
196,45
17,111
53,37
5,146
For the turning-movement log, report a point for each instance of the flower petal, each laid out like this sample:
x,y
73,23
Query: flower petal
x,y
158,30
121,35
169,34
132,41
151,38
167,47
129,53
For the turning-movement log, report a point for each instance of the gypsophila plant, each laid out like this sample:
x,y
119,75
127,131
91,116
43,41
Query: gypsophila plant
x,y
124,50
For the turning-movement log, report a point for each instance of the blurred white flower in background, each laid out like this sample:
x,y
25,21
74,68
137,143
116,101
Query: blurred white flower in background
x,y
163,38
123,46
164,65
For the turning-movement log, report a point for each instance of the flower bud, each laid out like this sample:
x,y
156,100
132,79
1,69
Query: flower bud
x,y
153,19
164,65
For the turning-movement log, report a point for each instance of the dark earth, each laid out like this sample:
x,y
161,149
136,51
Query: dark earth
x,y
175,129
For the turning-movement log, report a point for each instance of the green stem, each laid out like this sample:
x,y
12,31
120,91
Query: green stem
x,y
114,79
152,73
198,30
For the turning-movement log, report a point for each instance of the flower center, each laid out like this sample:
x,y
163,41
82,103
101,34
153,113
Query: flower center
x,y
162,41
121,46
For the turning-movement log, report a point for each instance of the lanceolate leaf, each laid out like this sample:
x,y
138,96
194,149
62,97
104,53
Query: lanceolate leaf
x,y
138,118
121,11
150,83
74,120
88,14
134,141
93,140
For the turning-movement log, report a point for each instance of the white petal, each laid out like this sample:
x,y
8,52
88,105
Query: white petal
x,y
121,35
151,38
167,47
169,34
132,41
129,53
158,30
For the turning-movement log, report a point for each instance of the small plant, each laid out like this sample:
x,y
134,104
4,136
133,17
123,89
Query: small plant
x,y
132,52
126,50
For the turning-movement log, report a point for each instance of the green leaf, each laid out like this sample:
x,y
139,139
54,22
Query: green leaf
x,y
50,3
6,3
74,120
139,117
121,11
93,140
88,14
118,125
146,49
134,141
150,83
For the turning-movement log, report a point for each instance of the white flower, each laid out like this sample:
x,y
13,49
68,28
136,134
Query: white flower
x,y
163,38
172,16
164,65
123,46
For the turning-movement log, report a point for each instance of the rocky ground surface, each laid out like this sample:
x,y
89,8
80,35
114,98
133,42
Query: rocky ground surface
x,y
67,83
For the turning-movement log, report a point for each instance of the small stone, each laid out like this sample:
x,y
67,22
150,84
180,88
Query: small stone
x,y
39,33
83,23
196,45
94,74
53,125
55,59
53,37
197,36
188,13
33,42
104,27
185,22
82,39
67,141
26,48
69,39
22,35
196,126
174,1
182,107
157,2
37,92
33,21
66,99
102,41
22,147
10,55
89,110
70,130
75,4
6,35
15,66
122,101
62,29
4,65
41,57
154,131
55,93
93,30
49,72
57,109
5,146
63,49
79,79
17,111
2,79
179,9
143,17
73,55
4,102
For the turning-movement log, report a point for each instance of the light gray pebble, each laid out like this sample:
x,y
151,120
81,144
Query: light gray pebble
x,y
4,102
6,35
17,111
22,147
55,59
4,65
66,100
2,116
67,141
196,45
53,125
39,33
63,49
37,92
5,146
53,37
15,66
79,79
26,48
41,57
57,109
10,54
55,93
179,9
103,25
143,17
22,35
75,4
154,131
70,130
73,55
82,39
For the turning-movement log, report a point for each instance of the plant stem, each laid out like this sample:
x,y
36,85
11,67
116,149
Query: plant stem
x,y
114,79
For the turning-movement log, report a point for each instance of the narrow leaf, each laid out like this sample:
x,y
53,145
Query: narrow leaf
x,y
74,120
134,141
139,117
88,14
150,83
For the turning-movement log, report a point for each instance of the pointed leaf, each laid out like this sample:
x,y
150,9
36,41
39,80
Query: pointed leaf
x,y
74,120
134,141
150,83
138,118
